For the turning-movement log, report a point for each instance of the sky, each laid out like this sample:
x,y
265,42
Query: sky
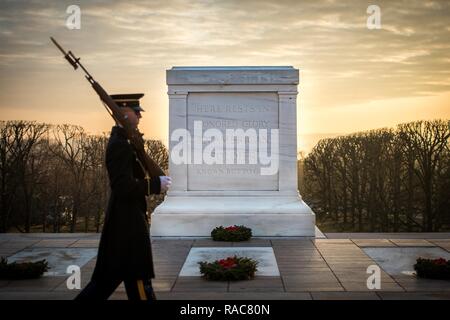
x,y
351,78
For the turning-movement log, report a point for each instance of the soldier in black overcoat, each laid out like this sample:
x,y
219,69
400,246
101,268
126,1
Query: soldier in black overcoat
x,y
125,252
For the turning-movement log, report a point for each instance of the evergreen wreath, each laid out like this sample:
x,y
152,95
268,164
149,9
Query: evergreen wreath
x,y
229,269
433,268
22,270
232,233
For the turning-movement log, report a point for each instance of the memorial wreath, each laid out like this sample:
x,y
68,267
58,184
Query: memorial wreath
x,y
230,268
231,233
433,268
22,270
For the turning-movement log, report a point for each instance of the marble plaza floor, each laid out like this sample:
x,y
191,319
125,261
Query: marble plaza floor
x,y
333,267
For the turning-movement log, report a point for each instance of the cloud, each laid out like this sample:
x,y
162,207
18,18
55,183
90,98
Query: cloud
x,y
342,61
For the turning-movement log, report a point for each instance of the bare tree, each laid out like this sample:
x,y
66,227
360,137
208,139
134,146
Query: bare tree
x,y
18,167
428,141
71,149
385,180
97,180
158,152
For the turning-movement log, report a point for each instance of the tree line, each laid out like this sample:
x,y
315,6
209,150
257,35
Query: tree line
x,y
386,180
53,177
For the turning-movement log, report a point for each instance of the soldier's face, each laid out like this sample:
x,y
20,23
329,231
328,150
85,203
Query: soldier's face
x,y
132,116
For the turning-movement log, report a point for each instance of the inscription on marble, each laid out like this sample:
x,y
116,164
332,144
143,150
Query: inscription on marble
x,y
223,111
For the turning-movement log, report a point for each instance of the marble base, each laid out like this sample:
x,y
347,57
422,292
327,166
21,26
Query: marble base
x,y
58,258
400,261
267,264
267,216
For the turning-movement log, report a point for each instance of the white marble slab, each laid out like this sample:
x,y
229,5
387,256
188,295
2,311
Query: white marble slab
x,y
233,75
262,195
267,264
266,216
58,258
398,261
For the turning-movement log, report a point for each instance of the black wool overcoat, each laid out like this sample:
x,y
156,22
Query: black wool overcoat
x,y
125,249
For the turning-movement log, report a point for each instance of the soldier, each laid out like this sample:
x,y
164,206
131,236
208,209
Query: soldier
x,y
124,252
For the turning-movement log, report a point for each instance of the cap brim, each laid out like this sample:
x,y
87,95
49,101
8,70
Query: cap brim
x,y
138,108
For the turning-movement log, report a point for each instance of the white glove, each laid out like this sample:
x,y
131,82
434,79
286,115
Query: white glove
x,y
165,183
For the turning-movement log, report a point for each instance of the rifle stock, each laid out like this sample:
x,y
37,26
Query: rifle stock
x,y
150,167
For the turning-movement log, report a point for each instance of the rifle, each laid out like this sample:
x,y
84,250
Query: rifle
x,y
150,167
